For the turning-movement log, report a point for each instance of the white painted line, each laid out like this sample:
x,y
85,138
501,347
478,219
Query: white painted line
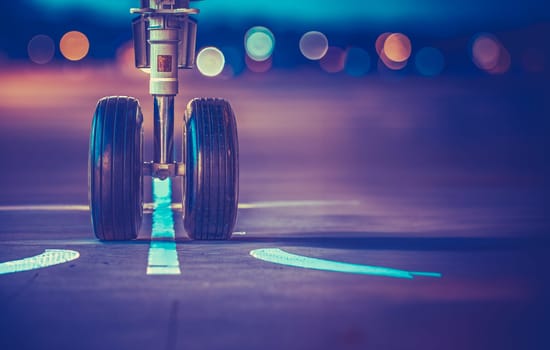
x,y
53,242
287,204
50,257
149,207
44,207
163,256
279,256
277,204
163,259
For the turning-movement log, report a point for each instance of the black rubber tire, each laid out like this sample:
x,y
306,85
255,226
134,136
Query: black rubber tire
x,y
115,175
211,189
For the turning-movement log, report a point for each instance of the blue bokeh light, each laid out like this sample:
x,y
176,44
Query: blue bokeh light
x,y
429,61
41,49
358,62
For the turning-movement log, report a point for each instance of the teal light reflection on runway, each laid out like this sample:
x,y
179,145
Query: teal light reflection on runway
x,y
50,257
163,257
279,256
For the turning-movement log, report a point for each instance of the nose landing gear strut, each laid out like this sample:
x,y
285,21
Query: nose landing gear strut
x,y
164,40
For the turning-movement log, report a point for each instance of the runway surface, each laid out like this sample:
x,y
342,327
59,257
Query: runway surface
x,y
426,198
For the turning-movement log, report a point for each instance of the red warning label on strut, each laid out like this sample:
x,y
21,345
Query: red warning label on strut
x,y
164,63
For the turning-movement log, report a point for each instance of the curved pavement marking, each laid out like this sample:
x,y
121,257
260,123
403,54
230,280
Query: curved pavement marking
x,y
149,207
50,257
279,256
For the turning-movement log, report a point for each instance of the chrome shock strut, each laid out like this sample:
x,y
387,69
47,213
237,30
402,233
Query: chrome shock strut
x,y
164,41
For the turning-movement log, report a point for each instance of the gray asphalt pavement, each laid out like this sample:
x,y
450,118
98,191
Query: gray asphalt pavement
x,y
443,175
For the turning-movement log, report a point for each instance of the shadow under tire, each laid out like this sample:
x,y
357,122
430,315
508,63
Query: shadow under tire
x,y
211,189
115,178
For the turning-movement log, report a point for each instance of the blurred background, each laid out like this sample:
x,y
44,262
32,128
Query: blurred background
x,y
444,103
492,36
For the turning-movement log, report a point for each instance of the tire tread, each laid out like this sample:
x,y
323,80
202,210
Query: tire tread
x,y
115,163
211,186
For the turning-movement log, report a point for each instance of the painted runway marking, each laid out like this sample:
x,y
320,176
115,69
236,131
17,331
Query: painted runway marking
x,y
149,207
279,256
288,204
50,257
163,256
45,207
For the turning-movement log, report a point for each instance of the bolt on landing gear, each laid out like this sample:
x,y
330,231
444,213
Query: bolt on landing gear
x,y
164,40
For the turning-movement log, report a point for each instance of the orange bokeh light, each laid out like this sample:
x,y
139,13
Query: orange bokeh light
x,y
74,45
397,47
392,64
379,45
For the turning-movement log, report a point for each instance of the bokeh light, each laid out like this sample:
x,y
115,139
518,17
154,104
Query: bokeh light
x,y
397,47
313,45
504,62
391,64
210,61
357,62
41,49
74,45
259,43
333,61
379,45
489,54
258,66
429,61
485,51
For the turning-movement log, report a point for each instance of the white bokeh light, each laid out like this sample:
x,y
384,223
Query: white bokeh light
x,y
259,43
314,45
210,61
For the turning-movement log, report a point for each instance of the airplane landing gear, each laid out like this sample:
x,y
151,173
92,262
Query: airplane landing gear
x,y
164,40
